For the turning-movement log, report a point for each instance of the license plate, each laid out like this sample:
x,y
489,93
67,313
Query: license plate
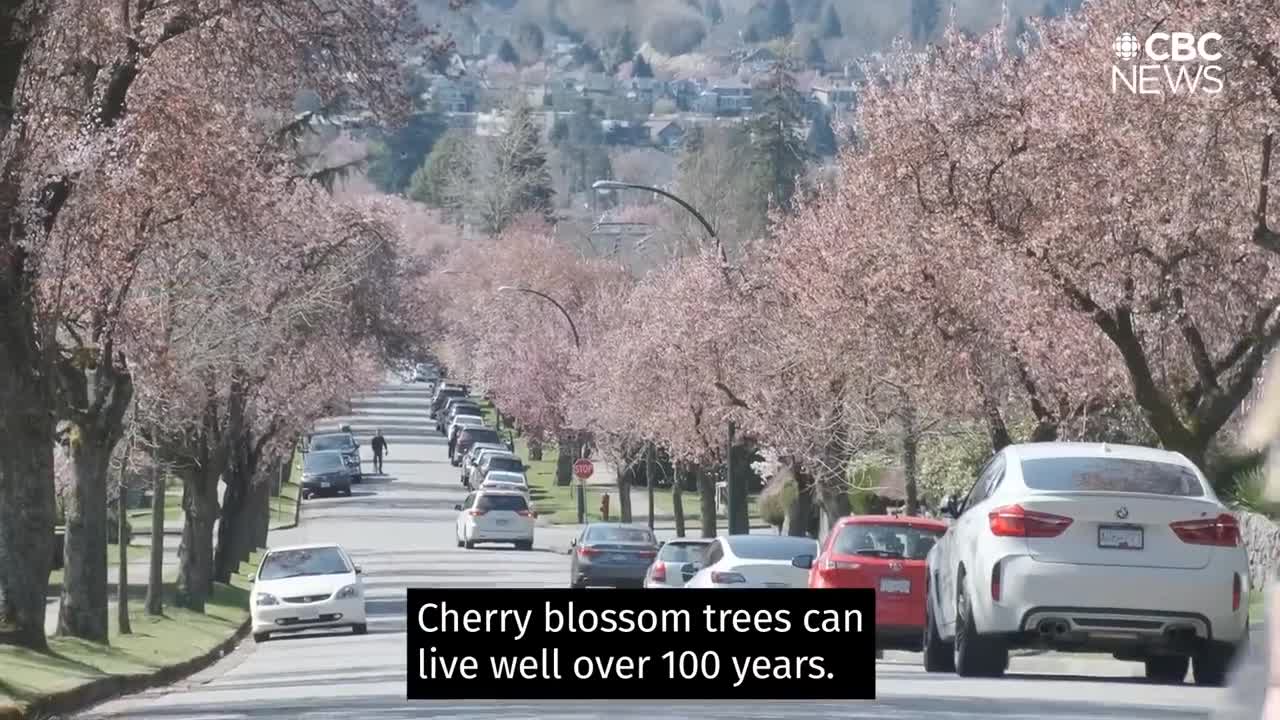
x,y
1120,537
312,615
889,585
324,484
504,522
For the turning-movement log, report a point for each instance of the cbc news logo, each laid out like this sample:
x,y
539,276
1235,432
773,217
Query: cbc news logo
x,y
1167,63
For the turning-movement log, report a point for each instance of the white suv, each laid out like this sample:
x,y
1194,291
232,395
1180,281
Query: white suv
x,y
1088,547
497,516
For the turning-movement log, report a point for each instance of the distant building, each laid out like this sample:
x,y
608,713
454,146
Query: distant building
x,y
452,95
836,97
727,97
665,133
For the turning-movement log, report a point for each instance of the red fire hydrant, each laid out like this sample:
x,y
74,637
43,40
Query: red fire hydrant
x,y
604,506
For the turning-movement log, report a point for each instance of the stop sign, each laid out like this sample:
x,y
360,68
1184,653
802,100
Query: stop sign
x,y
583,468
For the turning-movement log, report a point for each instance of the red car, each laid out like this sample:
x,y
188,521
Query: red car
x,y
886,553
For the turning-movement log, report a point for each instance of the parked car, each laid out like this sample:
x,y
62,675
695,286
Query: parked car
x,y
469,436
443,393
505,485
306,587
885,553
474,454
611,554
503,460
495,516
448,419
453,408
325,473
503,476
756,561
424,373
344,443
1095,547
677,562
460,422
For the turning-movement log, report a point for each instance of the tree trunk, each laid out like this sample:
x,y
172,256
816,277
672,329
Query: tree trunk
x,y
82,611
195,553
707,493
677,498
234,522
568,446
911,458
650,478
835,502
624,496
535,450
155,576
800,514
122,527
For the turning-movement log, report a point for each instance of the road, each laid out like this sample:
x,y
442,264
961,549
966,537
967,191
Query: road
x,y
400,528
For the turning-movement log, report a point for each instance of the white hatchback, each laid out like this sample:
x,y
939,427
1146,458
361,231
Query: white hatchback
x,y
1088,547
756,561
495,516
307,587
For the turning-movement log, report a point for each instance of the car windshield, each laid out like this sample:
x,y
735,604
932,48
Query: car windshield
x,y
885,540
677,552
508,503
763,547
1067,474
298,563
475,435
468,419
331,442
610,533
320,462
505,464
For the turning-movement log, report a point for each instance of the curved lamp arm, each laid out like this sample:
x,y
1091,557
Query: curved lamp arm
x,y
574,328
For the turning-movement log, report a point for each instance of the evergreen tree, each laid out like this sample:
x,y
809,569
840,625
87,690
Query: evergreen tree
x,y
821,141
444,174
925,16
831,27
507,53
529,161
778,152
813,52
713,11
806,11
771,19
640,68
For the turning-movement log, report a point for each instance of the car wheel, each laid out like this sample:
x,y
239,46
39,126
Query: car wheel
x,y
347,492
360,629
976,655
261,637
1209,667
938,655
469,544
578,584
1167,669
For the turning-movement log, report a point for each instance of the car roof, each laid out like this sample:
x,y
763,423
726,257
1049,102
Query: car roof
x,y
1049,450
499,473
314,453
908,520
309,546
739,542
491,453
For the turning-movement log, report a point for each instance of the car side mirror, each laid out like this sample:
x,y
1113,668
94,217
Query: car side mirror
x,y
359,570
458,508
948,507
804,562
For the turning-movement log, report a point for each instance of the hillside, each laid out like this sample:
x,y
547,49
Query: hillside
x,y
841,29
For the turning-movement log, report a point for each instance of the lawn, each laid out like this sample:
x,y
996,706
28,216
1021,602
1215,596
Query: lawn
x,y
1257,607
141,518
156,642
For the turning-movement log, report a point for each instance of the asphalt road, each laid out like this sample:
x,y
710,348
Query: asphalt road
x,y
400,527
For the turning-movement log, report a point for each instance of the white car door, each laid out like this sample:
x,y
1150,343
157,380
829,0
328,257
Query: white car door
x,y
956,547
463,517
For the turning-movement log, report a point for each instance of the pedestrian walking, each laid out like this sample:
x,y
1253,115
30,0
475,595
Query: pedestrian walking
x,y
379,445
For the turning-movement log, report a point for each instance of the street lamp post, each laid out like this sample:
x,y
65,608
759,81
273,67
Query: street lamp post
x,y
577,343
738,522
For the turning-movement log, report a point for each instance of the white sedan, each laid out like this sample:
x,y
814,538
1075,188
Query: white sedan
x,y
306,587
1082,546
756,561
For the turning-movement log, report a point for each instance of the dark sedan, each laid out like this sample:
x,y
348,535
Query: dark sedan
x,y
344,443
325,473
612,554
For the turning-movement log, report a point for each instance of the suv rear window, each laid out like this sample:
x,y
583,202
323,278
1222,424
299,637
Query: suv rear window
x,y
479,435
509,503
682,552
1084,474
764,547
884,540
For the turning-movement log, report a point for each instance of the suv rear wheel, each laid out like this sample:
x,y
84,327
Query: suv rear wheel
x,y
976,655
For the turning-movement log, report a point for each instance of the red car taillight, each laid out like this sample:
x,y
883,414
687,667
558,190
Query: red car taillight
x,y
476,513
1014,521
587,551
1235,591
659,572
524,513
1222,531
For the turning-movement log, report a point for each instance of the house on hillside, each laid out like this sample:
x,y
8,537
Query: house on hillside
x,y
837,97
665,133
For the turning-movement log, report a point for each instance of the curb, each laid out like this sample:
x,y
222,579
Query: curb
x,y
97,691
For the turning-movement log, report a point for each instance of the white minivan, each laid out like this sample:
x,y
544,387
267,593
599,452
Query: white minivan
x,y
495,516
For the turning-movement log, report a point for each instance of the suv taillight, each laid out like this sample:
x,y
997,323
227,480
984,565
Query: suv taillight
x,y
659,571
476,513
524,513
1222,531
1015,521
